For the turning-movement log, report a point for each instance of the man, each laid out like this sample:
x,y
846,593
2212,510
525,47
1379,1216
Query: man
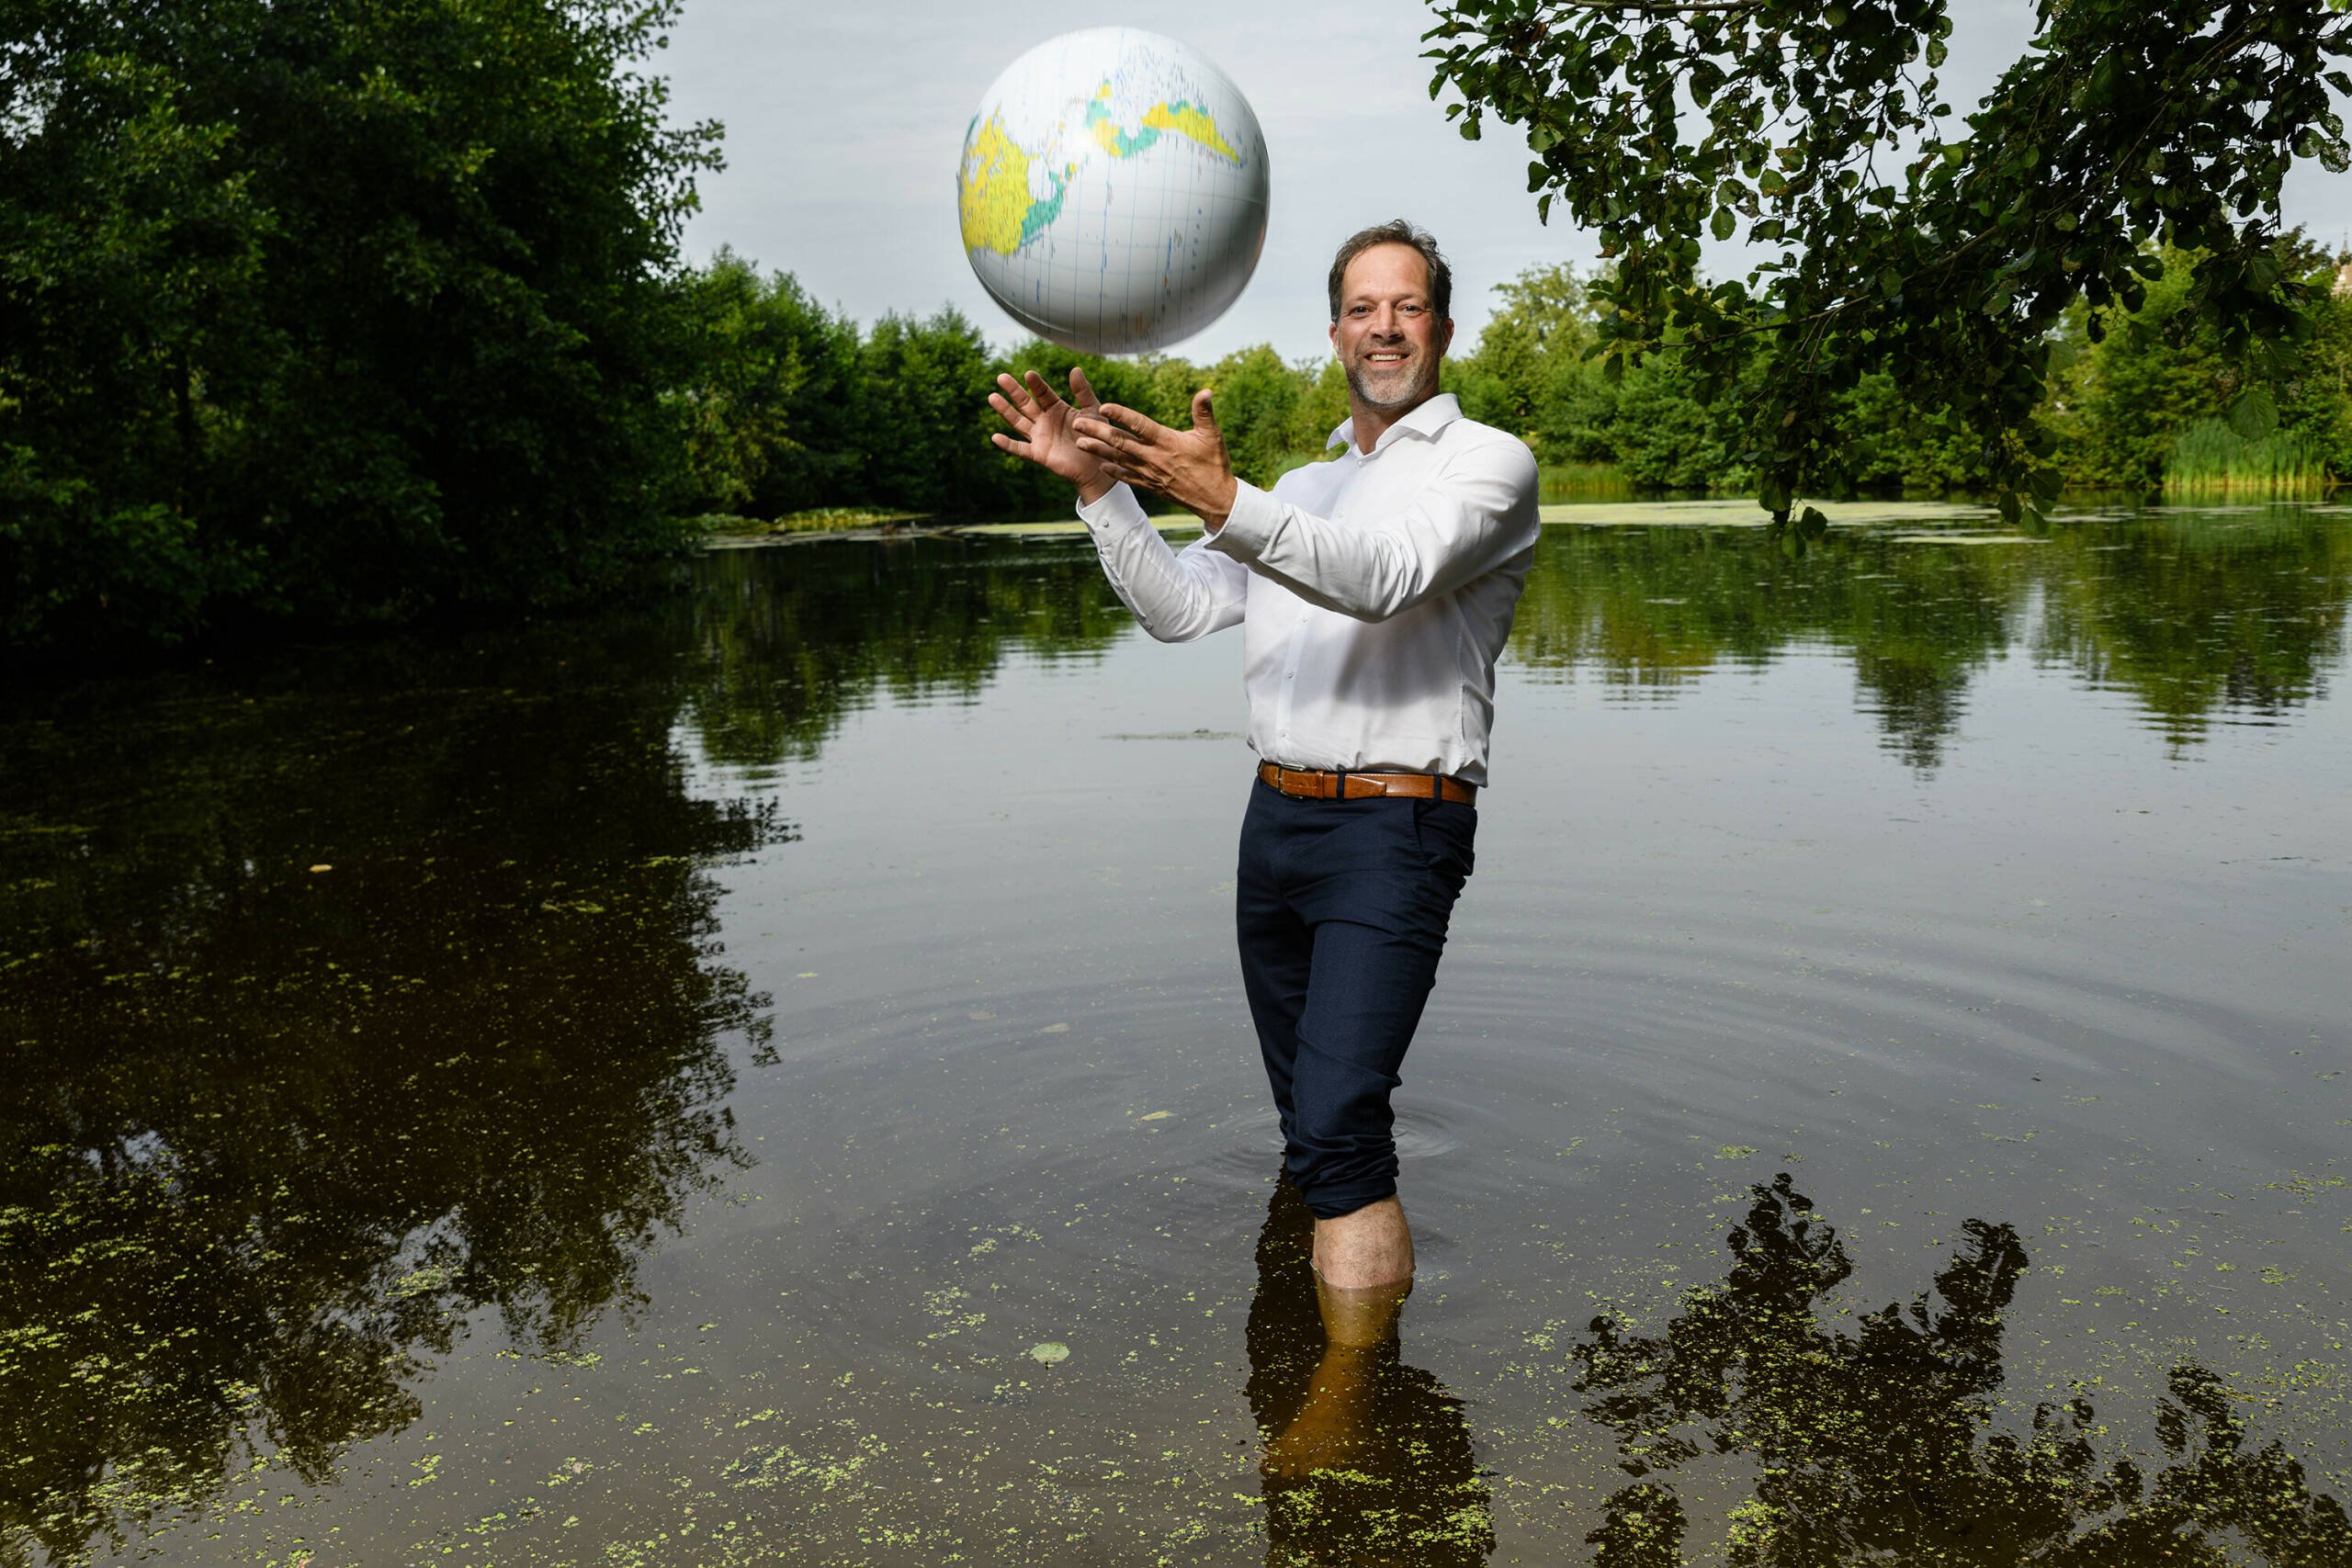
x,y
1373,592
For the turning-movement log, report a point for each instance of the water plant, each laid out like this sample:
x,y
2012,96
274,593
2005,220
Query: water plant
x,y
2210,458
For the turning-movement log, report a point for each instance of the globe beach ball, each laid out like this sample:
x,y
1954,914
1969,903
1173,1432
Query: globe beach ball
x,y
1112,192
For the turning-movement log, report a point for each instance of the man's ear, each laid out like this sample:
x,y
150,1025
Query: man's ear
x,y
1444,339
1335,337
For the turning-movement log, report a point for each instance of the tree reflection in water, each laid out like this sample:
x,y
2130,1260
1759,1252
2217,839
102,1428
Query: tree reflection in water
x,y
1883,1445
2194,615
342,1009
1367,1461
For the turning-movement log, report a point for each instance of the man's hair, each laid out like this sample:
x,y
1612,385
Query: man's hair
x,y
1397,232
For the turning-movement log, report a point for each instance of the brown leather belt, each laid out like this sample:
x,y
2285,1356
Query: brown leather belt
x,y
1310,783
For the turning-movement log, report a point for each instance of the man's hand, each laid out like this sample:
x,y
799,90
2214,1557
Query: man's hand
x,y
1042,422
1188,467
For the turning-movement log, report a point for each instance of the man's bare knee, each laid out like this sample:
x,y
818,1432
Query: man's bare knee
x,y
1368,1246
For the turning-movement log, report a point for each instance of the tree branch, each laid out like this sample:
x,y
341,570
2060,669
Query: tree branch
x,y
1659,7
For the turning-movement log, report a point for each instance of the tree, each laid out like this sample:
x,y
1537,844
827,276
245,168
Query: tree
x,y
1258,398
764,407
1543,323
330,314
1943,261
916,414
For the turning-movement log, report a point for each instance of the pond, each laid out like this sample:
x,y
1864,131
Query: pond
x,y
765,1073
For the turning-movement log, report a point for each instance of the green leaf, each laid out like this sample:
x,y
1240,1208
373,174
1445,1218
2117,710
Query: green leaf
x,y
1725,222
2254,413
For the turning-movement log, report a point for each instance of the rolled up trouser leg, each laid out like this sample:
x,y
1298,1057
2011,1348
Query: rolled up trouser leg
x,y
1374,883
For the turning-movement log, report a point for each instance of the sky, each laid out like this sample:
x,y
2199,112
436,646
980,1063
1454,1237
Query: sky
x,y
846,122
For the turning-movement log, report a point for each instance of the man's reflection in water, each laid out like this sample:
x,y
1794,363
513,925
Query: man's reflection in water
x,y
1367,1461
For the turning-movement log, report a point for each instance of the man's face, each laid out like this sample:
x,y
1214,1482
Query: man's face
x,y
1389,337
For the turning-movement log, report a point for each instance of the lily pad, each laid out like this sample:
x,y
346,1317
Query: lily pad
x,y
1050,1352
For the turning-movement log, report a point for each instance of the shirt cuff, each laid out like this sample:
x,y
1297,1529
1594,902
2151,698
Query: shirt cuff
x,y
1250,526
1115,508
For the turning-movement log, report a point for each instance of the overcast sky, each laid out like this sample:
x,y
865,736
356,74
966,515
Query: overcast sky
x,y
845,121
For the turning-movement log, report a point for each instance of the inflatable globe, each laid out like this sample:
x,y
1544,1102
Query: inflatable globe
x,y
1112,191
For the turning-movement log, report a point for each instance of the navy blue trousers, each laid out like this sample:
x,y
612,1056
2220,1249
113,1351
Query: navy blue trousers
x,y
1340,908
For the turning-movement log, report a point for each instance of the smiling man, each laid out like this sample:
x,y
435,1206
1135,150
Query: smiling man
x,y
1374,593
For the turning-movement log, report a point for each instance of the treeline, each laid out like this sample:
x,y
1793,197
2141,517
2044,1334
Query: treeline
x,y
794,408
312,317
797,409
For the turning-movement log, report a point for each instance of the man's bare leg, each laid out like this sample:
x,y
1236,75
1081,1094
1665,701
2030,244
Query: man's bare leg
x,y
1370,1246
1333,1429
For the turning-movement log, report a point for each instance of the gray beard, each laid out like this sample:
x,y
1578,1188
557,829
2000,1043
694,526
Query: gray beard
x,y
1418,391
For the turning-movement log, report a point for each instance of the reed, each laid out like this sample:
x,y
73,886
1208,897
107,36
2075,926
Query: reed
x,y
1582,481
2210,458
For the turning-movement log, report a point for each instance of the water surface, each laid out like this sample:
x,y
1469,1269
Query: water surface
x,y
767,1073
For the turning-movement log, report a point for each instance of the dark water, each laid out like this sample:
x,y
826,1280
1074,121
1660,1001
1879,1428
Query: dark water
x,y
672,1088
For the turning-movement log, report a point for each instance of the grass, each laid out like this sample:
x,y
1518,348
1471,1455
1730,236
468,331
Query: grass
x,y
2210,458
1581,481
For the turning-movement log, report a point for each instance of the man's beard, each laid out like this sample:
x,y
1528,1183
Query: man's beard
x,y
1405,393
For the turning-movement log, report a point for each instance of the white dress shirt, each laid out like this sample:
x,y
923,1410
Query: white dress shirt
x,y
1373,592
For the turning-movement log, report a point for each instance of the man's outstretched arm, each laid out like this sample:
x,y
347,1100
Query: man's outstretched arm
x,y
1476,514
1175,597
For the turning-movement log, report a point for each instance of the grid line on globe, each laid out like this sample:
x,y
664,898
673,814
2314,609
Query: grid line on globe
x,y
1112,191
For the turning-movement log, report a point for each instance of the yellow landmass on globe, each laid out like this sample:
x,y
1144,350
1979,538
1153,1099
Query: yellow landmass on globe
x,y
1182,118
994,200
998,211
1186,121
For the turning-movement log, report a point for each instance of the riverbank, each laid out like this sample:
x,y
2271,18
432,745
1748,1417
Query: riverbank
x,y
1717,513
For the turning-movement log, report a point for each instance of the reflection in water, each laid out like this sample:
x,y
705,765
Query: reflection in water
x,y
270,1137
1883,1445
790,640
1367,1461
334,1017
2192,614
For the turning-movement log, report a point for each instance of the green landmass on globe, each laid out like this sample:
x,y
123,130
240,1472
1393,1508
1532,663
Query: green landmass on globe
x,y
1002,214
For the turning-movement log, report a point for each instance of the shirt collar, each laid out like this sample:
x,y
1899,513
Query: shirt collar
x,y
1426,418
